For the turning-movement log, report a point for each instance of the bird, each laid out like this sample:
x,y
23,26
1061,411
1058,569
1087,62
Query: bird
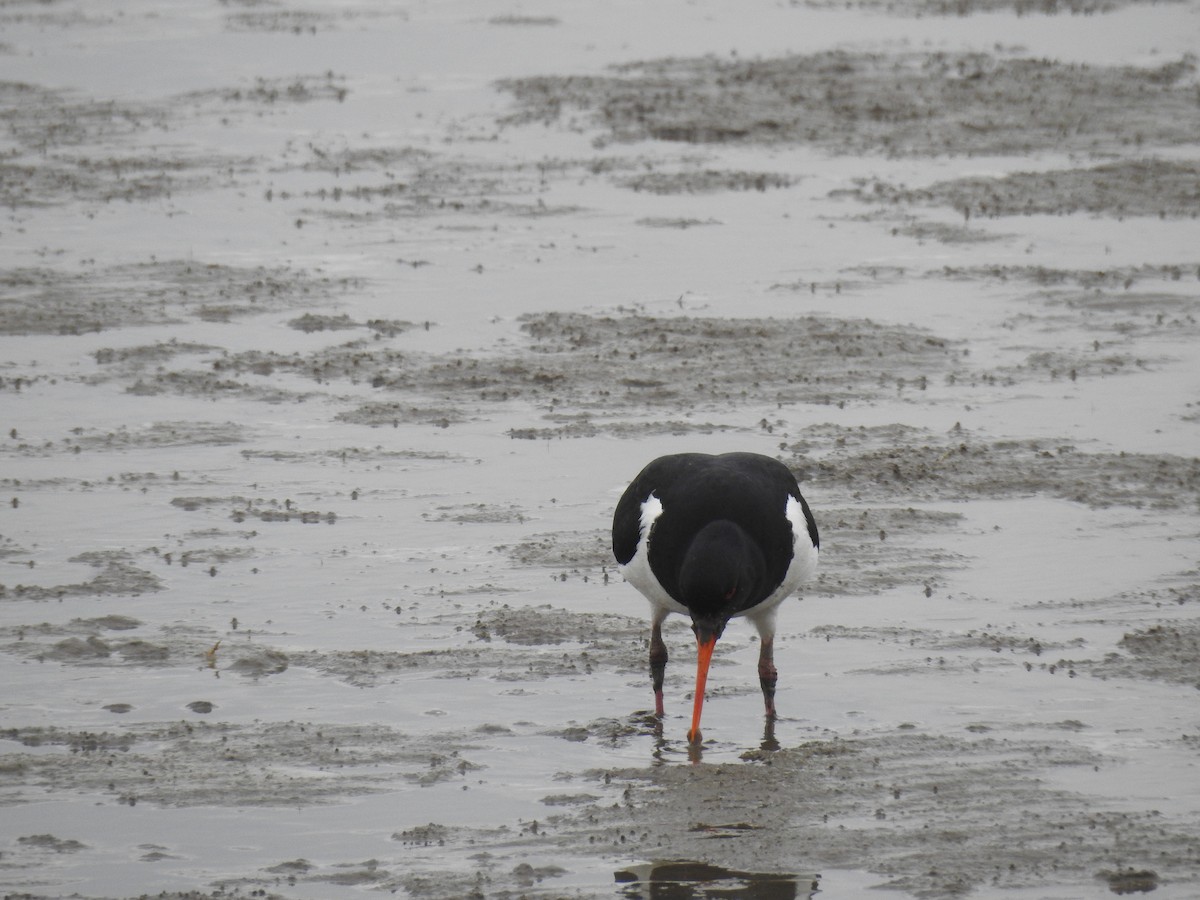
x,y
713,537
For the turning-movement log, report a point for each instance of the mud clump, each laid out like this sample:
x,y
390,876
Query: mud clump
x,y
72,147
259,662
1143,187
1130,881
158,435
115,579
1168,652
272,91
1092,279
546,626
49,301
279,21
263,764
311,322
586,425
948,830
960,467
424,835
405,182
77,649
52,843
683,878
701,362
973,7
577,551
100,642
617,364
476,514
587,375
38,119
704,182
123,179
394,413
867,551
900,105
287,511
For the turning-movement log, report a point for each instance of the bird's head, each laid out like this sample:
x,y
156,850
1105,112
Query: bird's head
x,y
719,577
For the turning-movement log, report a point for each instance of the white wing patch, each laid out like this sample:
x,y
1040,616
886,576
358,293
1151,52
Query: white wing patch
x,y
638,572
651,509
804,554
801,568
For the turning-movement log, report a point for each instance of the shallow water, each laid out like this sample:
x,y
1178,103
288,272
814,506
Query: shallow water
x,y
329,339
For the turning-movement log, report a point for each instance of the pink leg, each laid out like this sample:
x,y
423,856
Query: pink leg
x,y
767,673
658,665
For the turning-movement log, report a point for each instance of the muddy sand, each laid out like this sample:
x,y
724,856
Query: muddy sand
x,y
331,335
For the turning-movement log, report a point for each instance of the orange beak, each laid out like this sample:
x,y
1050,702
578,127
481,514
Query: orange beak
x,y
704,652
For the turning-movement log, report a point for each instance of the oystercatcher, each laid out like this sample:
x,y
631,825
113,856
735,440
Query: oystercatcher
x,y
713,537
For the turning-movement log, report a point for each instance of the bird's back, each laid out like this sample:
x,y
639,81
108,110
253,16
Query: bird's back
x,y
695,489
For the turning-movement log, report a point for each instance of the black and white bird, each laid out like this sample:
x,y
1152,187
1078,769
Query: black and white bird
x,y
714,537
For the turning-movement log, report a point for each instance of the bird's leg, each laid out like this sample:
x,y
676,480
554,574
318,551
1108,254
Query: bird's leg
x,y
768,675
658,665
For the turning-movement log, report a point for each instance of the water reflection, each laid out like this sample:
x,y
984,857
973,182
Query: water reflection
x,y
666,750
769,743
700,881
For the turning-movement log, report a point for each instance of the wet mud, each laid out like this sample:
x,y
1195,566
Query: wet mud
x,y
46,301
1155,187
896,104
925,467
311,439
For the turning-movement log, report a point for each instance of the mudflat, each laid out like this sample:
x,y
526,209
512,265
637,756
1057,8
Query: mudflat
x,y
329,336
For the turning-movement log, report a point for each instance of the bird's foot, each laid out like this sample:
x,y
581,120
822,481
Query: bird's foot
x,y
768,681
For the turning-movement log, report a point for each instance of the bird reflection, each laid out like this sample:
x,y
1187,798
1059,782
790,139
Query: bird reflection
x,y
769,744
665,750
681,880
